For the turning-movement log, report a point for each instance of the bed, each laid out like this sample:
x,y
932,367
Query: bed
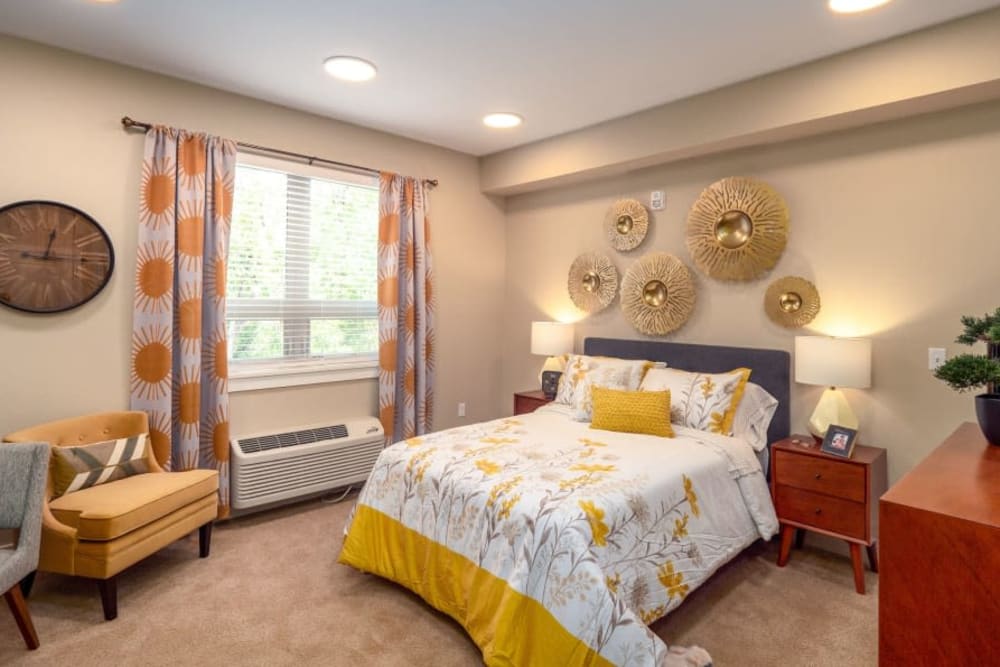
x,y
552,543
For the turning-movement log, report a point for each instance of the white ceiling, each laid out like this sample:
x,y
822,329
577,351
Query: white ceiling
x,y
443,64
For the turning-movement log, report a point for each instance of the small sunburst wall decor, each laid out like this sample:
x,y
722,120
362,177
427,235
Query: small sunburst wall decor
x,y
791,302
737,229
593,282
626,224
657,294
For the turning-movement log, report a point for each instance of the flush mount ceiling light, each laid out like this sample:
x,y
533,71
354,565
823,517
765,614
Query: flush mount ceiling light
x,y
349,68
854,6
502,120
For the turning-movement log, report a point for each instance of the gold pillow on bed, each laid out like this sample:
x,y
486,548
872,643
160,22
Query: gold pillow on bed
x,y
703,401
632,411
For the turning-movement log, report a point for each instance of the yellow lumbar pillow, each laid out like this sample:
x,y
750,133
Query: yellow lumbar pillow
x,y
631,411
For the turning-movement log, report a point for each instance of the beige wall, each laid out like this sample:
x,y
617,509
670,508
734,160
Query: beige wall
x,y
60,139
895,223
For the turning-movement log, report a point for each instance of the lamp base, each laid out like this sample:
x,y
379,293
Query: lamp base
x,y
831,409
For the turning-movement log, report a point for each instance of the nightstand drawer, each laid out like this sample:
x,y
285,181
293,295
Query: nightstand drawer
x,y
816,510
834,478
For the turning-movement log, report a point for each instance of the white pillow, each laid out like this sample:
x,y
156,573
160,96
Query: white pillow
x,y
753,416
703,401
625,375
578,365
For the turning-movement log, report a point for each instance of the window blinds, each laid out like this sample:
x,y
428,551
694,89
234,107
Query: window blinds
x,y
302,275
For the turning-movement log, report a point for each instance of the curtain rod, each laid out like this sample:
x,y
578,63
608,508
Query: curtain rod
x,y
128,124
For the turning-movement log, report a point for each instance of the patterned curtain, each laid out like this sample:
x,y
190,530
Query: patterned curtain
x,y
405,308
179,369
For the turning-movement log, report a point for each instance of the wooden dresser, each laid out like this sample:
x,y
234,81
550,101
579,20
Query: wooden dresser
x,y
939,589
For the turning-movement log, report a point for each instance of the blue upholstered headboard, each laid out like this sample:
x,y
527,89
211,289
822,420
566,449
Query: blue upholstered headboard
x,y
771,369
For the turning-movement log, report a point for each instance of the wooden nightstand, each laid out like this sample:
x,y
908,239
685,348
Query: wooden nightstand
x,y
829,495
529,401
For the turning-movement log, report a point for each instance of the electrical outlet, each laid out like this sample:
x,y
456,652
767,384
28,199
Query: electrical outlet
x,y
656,200
461,409
936,357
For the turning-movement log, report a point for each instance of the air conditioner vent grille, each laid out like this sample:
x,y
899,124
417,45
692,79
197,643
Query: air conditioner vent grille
x,y
292,438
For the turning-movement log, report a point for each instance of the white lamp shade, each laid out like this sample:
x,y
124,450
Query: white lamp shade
x,y
551,338
833,362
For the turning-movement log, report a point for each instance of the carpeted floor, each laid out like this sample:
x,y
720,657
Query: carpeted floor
x,y
272,593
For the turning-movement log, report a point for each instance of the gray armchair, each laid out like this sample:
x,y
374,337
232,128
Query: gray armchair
x,y
24,470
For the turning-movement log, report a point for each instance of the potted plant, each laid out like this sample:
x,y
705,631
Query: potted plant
x,y
966,372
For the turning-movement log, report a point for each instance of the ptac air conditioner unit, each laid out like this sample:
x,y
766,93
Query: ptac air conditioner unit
x,y
274,467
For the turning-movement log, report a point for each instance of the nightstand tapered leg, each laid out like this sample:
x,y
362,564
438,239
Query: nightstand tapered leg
x,y
859,569
873,556
787,533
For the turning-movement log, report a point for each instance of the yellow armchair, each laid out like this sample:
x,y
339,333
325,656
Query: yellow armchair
x,y
100,531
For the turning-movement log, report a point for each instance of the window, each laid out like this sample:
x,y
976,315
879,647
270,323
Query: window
x,y
302,276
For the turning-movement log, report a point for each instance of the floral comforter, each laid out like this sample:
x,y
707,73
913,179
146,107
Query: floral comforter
x,y
556,544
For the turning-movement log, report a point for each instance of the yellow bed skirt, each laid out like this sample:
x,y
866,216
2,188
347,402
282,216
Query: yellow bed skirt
x,y
509,627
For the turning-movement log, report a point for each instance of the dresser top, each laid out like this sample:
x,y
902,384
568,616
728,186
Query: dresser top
x,y
961,478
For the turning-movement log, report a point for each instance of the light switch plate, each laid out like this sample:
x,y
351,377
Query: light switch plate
x,y
656,200
936,356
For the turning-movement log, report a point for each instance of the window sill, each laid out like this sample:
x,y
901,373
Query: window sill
x,y
276,377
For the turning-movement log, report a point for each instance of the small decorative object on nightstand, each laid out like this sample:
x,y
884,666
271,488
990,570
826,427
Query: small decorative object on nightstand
x,y
551,339
529,401
829,495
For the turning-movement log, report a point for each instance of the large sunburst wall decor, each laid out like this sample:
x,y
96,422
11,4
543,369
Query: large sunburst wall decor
x,y
737,229
593,282
657,294
791,302
626,223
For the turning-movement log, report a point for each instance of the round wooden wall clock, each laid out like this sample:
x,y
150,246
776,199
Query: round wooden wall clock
x,y
53,257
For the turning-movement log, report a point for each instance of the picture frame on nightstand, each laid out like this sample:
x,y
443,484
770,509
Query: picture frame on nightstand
x,y
839,441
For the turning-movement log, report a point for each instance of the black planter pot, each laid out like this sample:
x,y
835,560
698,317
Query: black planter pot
x,y
988,413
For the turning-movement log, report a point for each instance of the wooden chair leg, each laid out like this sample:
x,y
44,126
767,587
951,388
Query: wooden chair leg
x,y
787,532
27,583
109,597
205,539
15,600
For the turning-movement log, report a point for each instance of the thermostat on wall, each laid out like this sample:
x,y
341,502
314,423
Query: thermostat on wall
x,y
656,200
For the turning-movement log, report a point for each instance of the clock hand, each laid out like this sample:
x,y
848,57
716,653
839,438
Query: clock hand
x,y
65,258
48,248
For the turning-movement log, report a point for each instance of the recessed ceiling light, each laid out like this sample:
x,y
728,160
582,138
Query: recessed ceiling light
x,y
349,68
854,6
503,119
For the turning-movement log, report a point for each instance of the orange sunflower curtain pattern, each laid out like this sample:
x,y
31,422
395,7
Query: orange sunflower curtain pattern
x,y
405,308
179,369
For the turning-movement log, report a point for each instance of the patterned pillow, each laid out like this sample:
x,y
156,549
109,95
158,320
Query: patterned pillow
x,y
703,401
753,416
632,411
578,365
75,468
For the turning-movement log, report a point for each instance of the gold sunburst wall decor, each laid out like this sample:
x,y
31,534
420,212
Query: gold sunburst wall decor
x,y
626,224
593,282
791,302
737,229
657,294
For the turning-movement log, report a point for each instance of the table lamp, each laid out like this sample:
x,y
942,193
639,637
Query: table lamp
x,y
552,339
834,363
